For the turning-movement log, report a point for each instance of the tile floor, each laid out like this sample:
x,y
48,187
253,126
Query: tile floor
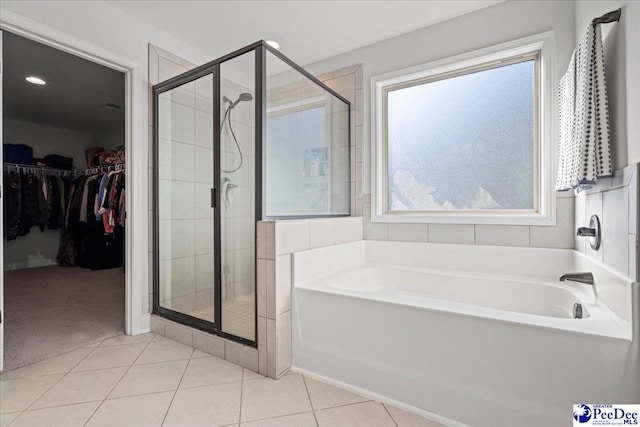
x,y
148,380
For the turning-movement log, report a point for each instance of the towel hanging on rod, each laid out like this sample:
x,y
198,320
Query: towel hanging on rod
x,y
585,152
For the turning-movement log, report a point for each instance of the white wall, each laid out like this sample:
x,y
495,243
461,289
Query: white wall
x,y
49,140
622,67
497,24
37,248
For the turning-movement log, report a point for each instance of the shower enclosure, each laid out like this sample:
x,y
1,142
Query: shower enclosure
x,y
246,137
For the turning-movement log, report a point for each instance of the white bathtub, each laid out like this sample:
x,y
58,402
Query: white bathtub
x,y
474,335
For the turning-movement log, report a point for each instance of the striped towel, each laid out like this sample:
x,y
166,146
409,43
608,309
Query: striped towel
x,y
585,154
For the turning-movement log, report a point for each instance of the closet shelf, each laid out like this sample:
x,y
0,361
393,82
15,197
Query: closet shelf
x,y
42,170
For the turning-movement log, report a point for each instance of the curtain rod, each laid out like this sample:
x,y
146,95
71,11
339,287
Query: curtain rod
x,y
612,16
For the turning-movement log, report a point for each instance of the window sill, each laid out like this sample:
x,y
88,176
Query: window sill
x,y
465,218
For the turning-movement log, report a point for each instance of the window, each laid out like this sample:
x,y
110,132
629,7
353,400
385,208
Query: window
x,y
466,140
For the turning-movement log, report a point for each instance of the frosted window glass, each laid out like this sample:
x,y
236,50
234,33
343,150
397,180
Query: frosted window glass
x,y
465,142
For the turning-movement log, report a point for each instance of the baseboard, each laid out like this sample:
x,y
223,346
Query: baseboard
x,y
380,398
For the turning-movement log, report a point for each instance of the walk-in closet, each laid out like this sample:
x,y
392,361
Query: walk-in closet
x,y
63,197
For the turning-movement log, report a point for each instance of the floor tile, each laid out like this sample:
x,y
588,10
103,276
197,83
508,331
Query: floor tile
x,y
407,419
210,370
55,365
68,416
128,339
197,354
368,414
140,411
298,420
250,375
164,351
78,387
16,395
113,356
150,378
214,405
327,396
267,398
5,419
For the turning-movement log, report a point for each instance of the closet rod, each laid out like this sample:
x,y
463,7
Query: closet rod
x,y
105,168
44,170
612,16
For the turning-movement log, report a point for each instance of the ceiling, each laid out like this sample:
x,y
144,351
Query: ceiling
x,y
75,90
308,31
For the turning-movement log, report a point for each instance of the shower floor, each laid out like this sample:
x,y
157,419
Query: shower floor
x,y
238,316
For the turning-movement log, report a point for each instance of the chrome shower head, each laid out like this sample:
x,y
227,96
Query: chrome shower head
x,y
243,97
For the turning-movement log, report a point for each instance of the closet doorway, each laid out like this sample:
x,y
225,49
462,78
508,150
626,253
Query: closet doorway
x,y
63,200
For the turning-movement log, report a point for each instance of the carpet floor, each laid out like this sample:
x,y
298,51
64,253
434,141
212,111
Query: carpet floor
x,y
53,310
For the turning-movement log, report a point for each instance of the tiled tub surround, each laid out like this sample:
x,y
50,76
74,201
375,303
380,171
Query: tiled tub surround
x,y
559,236
615,201
489,361
277,241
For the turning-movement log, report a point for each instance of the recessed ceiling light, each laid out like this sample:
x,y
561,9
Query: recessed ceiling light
x,y
35,80
273,44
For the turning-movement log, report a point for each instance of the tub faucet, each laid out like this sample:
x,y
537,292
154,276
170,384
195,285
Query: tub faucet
x,y
586,278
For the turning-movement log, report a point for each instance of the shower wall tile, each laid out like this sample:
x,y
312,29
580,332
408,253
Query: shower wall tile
x,y
176,239
262,287
157,325
615,200
204,94
176,161
283,337
580,220
203,165
179,333
594,207
291,236
204,272
205,299
282,278
408,232
204,129
321,233
262,339
372,230
461,234
241,355
615,240
561,235
271,287
209,343
348,229
502,235
181,126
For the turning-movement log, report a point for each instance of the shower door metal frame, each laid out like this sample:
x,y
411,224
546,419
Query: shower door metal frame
x,y
260,49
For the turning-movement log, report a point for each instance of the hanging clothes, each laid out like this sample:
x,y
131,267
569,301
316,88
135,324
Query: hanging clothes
x,y
94,234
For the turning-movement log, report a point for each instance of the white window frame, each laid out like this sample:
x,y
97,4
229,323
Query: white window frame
x,y
544,214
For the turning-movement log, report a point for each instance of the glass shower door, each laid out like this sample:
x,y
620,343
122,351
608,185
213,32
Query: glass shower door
x,y
238,196
185,177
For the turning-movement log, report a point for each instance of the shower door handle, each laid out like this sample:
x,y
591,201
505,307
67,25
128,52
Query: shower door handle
x,y
213,197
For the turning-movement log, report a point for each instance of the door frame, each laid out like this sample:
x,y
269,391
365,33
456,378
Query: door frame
x,y
137,317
